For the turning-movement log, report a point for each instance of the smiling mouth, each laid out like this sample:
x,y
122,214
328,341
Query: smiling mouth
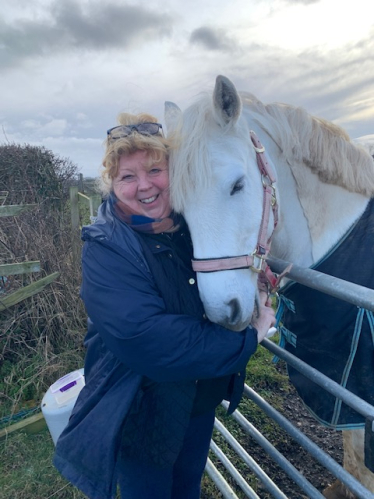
x,y
149,200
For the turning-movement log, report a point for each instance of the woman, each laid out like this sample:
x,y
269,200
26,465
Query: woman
x,y
155,367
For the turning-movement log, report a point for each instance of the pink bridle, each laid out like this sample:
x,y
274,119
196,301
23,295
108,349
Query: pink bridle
x,y
254,261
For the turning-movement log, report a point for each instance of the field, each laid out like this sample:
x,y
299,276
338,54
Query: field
x,y
27,472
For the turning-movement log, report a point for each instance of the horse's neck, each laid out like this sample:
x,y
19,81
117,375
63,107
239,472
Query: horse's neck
x,y
314,215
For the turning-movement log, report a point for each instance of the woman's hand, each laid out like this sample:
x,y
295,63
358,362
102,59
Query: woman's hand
x,y
265,317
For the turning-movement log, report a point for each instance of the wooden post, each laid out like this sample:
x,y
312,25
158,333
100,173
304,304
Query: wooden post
x,y
19,268
95,202
33,424
12,210
21,294
80,183
75,229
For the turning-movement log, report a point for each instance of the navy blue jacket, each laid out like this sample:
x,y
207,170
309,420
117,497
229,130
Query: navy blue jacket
x,y
132,337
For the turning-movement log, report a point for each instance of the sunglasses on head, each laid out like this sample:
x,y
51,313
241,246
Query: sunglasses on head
x,y
117,132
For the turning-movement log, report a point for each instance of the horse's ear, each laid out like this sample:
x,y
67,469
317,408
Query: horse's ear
x,y
172,116
226,101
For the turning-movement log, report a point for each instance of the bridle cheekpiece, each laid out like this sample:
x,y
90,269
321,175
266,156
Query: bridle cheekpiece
x,y
255,261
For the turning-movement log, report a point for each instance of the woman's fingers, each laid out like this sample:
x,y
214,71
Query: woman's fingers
x,y
265,299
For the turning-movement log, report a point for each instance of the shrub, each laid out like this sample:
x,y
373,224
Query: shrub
x,y
41,337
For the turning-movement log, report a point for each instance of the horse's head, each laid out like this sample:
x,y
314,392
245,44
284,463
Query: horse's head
x,y
216,183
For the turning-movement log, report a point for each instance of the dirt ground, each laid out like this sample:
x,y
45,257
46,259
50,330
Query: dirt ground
x,y
329,440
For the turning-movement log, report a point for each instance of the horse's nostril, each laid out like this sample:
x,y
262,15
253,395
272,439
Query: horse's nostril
x,y
235,310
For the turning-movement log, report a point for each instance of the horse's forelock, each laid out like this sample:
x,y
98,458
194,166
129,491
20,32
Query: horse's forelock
x,y
189,165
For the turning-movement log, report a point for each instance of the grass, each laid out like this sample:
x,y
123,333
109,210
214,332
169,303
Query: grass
x,y
27,472
40,337
271,383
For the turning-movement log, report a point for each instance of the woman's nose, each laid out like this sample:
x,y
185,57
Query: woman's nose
x,y
144,183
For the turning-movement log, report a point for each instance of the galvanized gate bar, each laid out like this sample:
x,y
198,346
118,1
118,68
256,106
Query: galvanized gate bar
x,y
347,291
327,461
249,461
222,485
320,379
247,489
289,468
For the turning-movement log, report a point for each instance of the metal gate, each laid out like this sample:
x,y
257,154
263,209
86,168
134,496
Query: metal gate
x,y
351,293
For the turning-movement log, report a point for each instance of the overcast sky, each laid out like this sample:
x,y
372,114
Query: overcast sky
x,y
68,67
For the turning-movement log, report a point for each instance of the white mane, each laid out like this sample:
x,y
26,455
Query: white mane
x,y
322,146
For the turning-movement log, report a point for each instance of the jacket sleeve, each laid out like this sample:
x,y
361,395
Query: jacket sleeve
x,y
124,304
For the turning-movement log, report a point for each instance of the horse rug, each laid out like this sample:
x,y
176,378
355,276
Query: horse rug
x,y
331,335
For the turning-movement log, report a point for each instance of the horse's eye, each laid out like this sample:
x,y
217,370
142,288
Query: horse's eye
x,y
237,187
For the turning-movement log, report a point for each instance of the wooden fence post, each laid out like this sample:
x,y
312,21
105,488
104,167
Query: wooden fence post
x,y
27,291
13,210
75,242
95,202
7,269
80,183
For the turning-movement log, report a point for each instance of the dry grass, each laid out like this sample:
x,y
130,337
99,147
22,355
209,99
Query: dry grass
x,y
41,337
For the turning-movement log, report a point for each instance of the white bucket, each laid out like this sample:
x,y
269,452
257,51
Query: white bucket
x,y
59,400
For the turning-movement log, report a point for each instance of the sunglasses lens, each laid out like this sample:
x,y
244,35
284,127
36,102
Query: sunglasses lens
x,y
119,131
150,128
125,130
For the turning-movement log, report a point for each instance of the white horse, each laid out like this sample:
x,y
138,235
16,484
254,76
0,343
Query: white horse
x,y
323,183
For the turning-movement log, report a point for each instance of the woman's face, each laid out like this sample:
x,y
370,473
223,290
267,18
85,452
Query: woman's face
x,y
143,186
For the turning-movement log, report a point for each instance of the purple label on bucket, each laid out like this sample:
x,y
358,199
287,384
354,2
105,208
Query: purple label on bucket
x,y
66,387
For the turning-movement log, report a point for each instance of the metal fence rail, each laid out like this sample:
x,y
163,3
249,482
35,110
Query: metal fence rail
x,y
347,291
352,293
320,379
248,460
329,463
313,449
220,482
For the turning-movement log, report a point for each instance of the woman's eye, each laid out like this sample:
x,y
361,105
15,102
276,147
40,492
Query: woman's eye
x,y
237,187
128,178
154,171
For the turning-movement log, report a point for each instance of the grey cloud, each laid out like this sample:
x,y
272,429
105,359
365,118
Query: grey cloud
x,y
100,26
212,39
337,76
327,84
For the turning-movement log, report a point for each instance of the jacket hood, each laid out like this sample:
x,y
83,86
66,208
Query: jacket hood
x,y
109,229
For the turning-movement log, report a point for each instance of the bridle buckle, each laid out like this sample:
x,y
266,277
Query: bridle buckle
x,y
258,263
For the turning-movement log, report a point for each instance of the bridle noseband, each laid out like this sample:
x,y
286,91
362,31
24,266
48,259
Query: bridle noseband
x,y
255,261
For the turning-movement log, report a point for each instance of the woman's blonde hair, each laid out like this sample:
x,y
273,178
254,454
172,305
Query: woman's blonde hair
x,y
155,145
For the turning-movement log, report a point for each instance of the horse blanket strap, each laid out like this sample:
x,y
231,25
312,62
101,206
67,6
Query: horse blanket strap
x,y
331,335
